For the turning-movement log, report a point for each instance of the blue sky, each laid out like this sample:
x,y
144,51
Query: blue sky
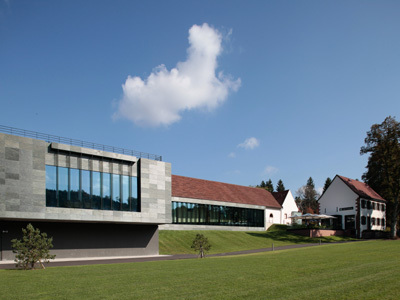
x,y
246,91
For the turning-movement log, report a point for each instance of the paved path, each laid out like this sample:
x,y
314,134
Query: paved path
x,y
116,260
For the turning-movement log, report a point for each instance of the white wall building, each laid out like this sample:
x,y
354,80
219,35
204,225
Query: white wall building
x,y
289,206
355,205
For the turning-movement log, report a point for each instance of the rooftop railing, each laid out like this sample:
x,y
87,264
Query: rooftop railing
x,y
58,139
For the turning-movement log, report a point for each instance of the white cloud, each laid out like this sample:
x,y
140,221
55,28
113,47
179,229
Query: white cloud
x,y
193,84
250,143
232,155
270,170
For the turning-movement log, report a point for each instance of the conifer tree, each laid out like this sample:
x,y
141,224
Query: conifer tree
x,y
269,186
280,187
328,182
33,248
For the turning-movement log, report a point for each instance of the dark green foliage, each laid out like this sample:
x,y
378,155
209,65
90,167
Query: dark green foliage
x,y
201,245
328,182
269,186
383,169
280,187
306,198
33,248
266,185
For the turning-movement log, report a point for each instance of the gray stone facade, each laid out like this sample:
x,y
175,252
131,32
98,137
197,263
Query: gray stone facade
x,y
23,183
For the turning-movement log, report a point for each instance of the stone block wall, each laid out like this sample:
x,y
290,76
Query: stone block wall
x,y
23,182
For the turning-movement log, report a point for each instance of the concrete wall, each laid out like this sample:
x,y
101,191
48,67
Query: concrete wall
x,y
87,239
23,182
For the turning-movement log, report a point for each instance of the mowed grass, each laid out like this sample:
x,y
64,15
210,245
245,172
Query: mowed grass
x,y
179,242
356,270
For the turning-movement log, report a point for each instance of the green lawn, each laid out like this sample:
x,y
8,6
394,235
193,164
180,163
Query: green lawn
x,y
179,242
359,270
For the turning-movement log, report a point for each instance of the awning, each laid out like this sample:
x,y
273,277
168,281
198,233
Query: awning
x,y
312,217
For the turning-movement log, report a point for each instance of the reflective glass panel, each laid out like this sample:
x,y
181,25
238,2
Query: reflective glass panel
x,y
96,190
86,189
51,186
74,191
125,193
106,190
63,187
116,192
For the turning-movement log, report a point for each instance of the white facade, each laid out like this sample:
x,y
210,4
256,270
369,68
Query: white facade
x,y
354,211
272,216
288,207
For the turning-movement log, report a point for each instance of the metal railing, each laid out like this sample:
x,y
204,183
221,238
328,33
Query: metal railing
x,y
58,139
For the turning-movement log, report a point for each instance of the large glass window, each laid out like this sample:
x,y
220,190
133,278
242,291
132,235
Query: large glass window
x,y
62,184
191,213
106,191
96,190
125,193
51,186
68,187
85,190
116,192
74,190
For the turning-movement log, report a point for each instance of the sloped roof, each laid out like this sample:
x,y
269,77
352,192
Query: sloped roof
x,y
280,196
361,189
187,187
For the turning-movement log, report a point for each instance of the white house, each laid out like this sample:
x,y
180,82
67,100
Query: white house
x,y
289,206
356,206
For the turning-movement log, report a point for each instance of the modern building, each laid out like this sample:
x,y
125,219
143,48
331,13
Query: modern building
x,y
92,200
97,200
356,206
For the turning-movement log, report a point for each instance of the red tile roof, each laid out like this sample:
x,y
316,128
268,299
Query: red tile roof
x,y
361,189
187,187
280,196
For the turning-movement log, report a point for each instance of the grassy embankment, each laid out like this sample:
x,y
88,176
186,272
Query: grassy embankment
x,y
361,270
179,242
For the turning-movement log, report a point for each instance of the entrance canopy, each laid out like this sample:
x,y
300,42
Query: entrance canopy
x,y
312,217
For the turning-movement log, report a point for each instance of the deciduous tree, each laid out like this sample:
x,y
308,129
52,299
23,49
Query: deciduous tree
x,y
201,245
383,169
306,198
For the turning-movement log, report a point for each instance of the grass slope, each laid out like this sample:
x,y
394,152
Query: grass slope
x,y
179,242
359,270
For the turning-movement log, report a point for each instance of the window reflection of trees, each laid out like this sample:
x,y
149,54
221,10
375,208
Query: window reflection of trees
x,y
75,188
195,213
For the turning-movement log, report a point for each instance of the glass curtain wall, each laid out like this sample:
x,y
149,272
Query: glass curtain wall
x,y
194,213
75,188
